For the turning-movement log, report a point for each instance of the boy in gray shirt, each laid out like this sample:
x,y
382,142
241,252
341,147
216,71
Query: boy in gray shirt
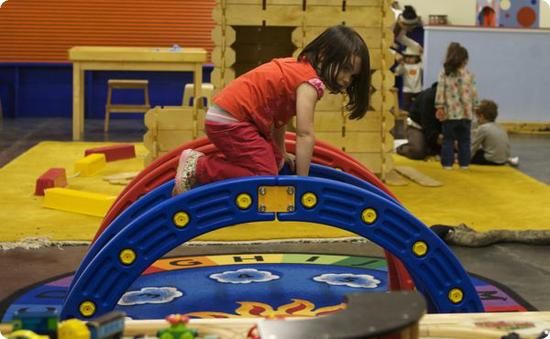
x,y
490,143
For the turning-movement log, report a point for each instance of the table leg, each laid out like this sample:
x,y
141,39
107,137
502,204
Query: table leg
x,y
78,101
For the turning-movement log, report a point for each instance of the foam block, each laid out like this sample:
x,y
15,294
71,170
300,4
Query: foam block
x,y
77,201
114,152
90,165
54,177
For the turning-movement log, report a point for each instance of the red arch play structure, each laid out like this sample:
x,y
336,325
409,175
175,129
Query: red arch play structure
x,y
164,169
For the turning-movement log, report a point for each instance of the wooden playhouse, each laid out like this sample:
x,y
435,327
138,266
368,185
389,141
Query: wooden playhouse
x,y
250,32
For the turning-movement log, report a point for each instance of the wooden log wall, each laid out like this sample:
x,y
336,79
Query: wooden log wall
x,y
250,32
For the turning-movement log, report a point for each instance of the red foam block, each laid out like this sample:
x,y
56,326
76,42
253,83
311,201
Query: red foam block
x,y
114,152
54,177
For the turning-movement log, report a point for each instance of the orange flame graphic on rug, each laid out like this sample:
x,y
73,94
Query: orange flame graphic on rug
x,y
252,309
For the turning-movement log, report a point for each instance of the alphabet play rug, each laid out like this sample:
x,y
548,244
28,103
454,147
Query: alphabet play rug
x,y
248,285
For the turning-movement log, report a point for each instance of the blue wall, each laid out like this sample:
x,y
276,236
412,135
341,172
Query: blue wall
x,y
512,67
45,89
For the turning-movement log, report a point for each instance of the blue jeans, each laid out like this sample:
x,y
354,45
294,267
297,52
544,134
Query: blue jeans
x,y
459,131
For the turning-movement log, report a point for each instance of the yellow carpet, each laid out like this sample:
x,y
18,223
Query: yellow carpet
x,y
482,197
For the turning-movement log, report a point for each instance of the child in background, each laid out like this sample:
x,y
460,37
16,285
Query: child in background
x,y
490,144
408,30
247,121
410,69
455,101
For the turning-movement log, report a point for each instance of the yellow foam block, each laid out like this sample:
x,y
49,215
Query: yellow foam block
x,y
90,164
78,201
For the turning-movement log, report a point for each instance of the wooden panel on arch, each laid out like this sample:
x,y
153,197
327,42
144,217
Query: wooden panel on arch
x,y
367,142
360,16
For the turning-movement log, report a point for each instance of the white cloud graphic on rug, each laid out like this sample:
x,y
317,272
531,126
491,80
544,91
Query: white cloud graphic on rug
x,y
244,276
349,280
150,295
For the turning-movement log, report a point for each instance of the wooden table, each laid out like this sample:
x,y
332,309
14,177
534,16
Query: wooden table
x,y
87,58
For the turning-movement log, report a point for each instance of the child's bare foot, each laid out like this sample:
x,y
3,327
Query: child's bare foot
x,y
185,174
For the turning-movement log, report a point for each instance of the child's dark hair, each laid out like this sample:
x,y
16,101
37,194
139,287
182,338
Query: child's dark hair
x,y
488,109
457,55
331,52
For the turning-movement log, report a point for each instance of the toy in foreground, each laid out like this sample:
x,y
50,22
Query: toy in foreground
x,y
178,328
247,120
45,324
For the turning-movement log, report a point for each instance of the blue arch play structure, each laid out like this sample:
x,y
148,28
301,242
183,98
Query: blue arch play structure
x,y
158,222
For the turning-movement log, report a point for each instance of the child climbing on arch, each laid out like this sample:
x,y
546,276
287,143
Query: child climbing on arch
x,y
247,121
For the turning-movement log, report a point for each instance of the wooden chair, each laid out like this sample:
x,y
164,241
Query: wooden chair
x,y
123,108
206,92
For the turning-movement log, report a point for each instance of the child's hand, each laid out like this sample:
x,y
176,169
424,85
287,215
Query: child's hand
x,y
440,114
290,159
398,57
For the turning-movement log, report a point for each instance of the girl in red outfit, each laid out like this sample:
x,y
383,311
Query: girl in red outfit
x,y
247,121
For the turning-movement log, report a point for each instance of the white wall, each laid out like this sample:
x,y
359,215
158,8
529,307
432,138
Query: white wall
x,y
513,72
545,14
463,12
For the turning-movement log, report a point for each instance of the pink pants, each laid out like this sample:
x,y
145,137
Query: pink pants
x,y
243,152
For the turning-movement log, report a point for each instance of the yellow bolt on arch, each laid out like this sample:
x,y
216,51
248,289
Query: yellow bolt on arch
x,y
309,200
87,308
244,201
127,256
420,248
369,215
181,219
456,295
